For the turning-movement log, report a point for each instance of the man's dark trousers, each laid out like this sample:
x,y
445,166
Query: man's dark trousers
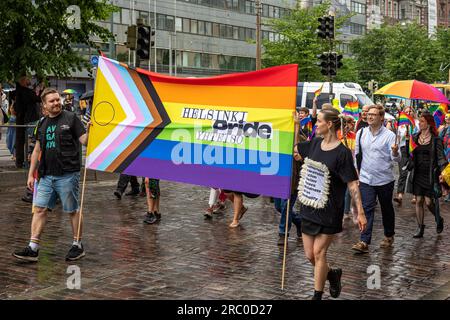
x,y
124,179
369,195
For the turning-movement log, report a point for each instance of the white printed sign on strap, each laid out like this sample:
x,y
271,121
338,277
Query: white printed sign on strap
x,y
314,184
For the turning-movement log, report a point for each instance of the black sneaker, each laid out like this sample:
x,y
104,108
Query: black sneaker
x,y
334,277
150,218
75,253
118,194
132,193
158,216
27,254
27,198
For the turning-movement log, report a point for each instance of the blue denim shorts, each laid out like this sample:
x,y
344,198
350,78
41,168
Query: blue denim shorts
x,y
65,186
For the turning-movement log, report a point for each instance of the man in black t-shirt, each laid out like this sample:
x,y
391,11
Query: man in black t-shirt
x,y
57,157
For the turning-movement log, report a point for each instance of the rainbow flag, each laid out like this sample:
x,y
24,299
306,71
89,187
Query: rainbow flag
x,y
406,119
351,139
352,109
232,132
313,133
440,113
412,144
306,123
318,91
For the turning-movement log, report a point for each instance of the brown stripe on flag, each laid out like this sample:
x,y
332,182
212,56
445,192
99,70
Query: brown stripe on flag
x,y
157,120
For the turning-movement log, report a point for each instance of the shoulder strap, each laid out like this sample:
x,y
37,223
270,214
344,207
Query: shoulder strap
x,y
359,142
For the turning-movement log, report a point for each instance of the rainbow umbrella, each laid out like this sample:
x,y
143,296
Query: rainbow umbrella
x,y
69,91
413,89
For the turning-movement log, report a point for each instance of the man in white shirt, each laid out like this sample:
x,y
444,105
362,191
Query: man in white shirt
x,y
379,150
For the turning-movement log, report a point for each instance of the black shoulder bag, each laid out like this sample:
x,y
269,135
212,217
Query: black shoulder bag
x,y
359,155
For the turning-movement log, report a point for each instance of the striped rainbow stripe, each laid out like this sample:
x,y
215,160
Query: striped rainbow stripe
x,y
140,127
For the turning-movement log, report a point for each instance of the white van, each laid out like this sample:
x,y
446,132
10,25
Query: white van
x,y
344,92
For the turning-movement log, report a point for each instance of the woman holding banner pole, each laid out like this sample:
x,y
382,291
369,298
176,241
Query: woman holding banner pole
x,y
327,171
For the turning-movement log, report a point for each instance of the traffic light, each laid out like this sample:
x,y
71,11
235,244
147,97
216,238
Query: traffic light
x,y
329,63
325,30
131,37
339,63
324,63
143,41
335,63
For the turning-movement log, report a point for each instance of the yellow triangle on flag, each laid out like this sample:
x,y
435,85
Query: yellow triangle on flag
x,y
103,114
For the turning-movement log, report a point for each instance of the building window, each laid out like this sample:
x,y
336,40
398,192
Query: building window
x,y
265,10
242,33
186,25
357,29
235,5
248,34
216,30
205,60
208,28
194,26
229,32
201,27
116,17
178,24
250,7
236,33
276,12
126,16
170,23
358,7
223,31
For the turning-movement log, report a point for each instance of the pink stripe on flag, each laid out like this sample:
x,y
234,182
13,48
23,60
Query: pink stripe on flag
x,y
130,127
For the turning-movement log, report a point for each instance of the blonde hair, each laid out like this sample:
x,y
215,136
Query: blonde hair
x,y
337,119
328,106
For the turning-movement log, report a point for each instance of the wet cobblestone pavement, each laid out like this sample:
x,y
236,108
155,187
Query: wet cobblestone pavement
x,y
187,257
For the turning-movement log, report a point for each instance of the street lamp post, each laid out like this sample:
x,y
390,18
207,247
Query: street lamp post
x,y
258,34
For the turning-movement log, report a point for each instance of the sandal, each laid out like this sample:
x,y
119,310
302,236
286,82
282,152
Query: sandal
x,y
242,212
234,225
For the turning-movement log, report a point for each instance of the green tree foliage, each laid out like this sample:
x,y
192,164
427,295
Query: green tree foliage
x,y
299,42
400,52
370,54
348,72
412,55
36,38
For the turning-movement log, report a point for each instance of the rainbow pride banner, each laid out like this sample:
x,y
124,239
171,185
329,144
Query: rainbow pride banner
x,y
352,109
233,132
439,114
406,119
